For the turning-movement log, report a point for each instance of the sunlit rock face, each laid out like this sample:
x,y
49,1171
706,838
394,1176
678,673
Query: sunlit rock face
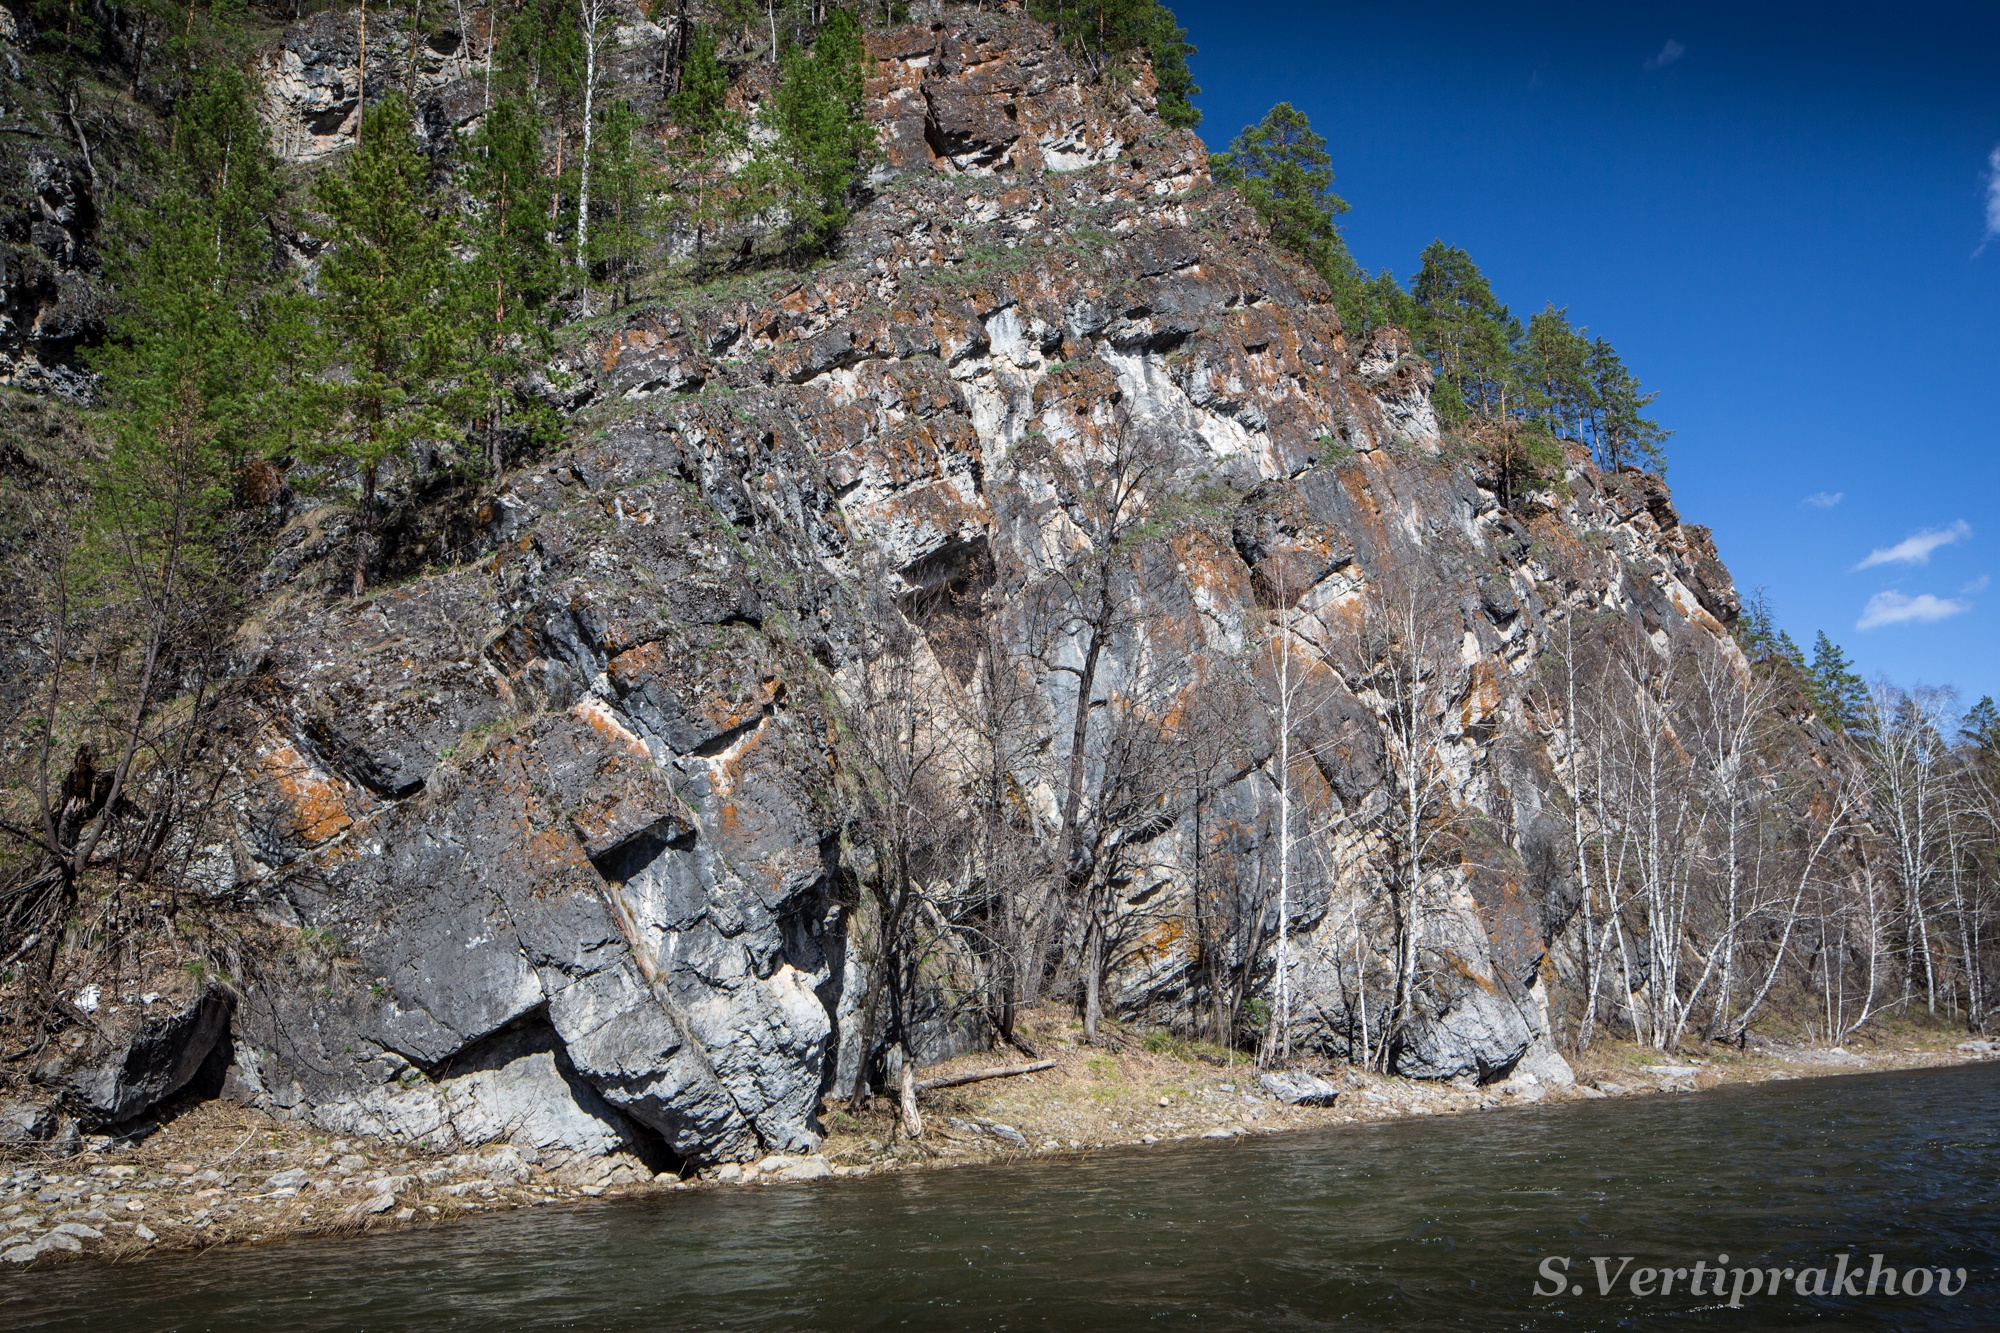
x,y
564,804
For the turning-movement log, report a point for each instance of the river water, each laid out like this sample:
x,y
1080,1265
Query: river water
x,y
1444,1223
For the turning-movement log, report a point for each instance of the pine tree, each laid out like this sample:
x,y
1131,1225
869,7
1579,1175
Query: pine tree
x,y
385,324
1839,695
697,105
621,184
1283,170
1623,433
707,133
189,373
514,271
190,342
1097,30
822,139
1467,331
1556,380
1980,727
189,383
542,64
1376,303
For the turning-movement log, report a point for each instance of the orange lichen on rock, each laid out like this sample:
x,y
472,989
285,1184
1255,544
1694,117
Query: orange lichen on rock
x,y
317,803
605,723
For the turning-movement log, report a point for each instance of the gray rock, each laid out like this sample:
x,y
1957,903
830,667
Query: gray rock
x,y
381,1203
291,1178
24,1123
1474,1031
1005,1133
138,1055
813,1167
1297,1088
79,1230
1547,1065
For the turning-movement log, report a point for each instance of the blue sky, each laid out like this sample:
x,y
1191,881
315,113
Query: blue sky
x,y
1776,213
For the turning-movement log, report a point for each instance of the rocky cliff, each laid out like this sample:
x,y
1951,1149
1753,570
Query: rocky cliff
x,y
52,298
557,836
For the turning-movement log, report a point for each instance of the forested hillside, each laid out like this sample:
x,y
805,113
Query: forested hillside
x,y
624,573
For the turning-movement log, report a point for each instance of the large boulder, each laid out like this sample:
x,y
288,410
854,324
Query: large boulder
x,y
133,1051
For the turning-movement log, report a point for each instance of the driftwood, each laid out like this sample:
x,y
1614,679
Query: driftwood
x,y
981,1075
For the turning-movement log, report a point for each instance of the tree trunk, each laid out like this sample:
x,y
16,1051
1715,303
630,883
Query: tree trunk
x,y
1093,974
592,13
913,1120
361,77
365,530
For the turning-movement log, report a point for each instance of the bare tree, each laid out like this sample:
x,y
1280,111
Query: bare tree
x,y
908,776
1105,497
1403,660
996,711
1906,755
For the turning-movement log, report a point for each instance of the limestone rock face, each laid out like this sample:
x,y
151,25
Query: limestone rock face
x,y
52,297
550,838
312,74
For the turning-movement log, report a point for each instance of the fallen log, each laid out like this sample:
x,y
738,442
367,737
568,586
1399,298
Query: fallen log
x,y
981,1075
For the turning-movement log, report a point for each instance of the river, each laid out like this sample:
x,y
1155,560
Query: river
x,y
1442,1223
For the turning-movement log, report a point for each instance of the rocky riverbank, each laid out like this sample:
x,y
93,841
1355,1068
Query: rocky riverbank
x,y
212,1173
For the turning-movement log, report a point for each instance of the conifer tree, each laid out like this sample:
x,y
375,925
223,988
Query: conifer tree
x,y
386,327
1980,727
1468,331
190,353
822,139
514,270
1096,30
1839,695
1624,434
1374,303
622,184
189,383
1555,373
698,103
707,134
543,65
1282,168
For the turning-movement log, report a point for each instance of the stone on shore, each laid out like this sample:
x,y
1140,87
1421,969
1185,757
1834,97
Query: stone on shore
x,y
1295,1087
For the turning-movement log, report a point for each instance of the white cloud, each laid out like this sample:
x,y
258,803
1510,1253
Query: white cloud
x,y
1669,53
1824,499
1992,194
1916,548
1893,608
1978,585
